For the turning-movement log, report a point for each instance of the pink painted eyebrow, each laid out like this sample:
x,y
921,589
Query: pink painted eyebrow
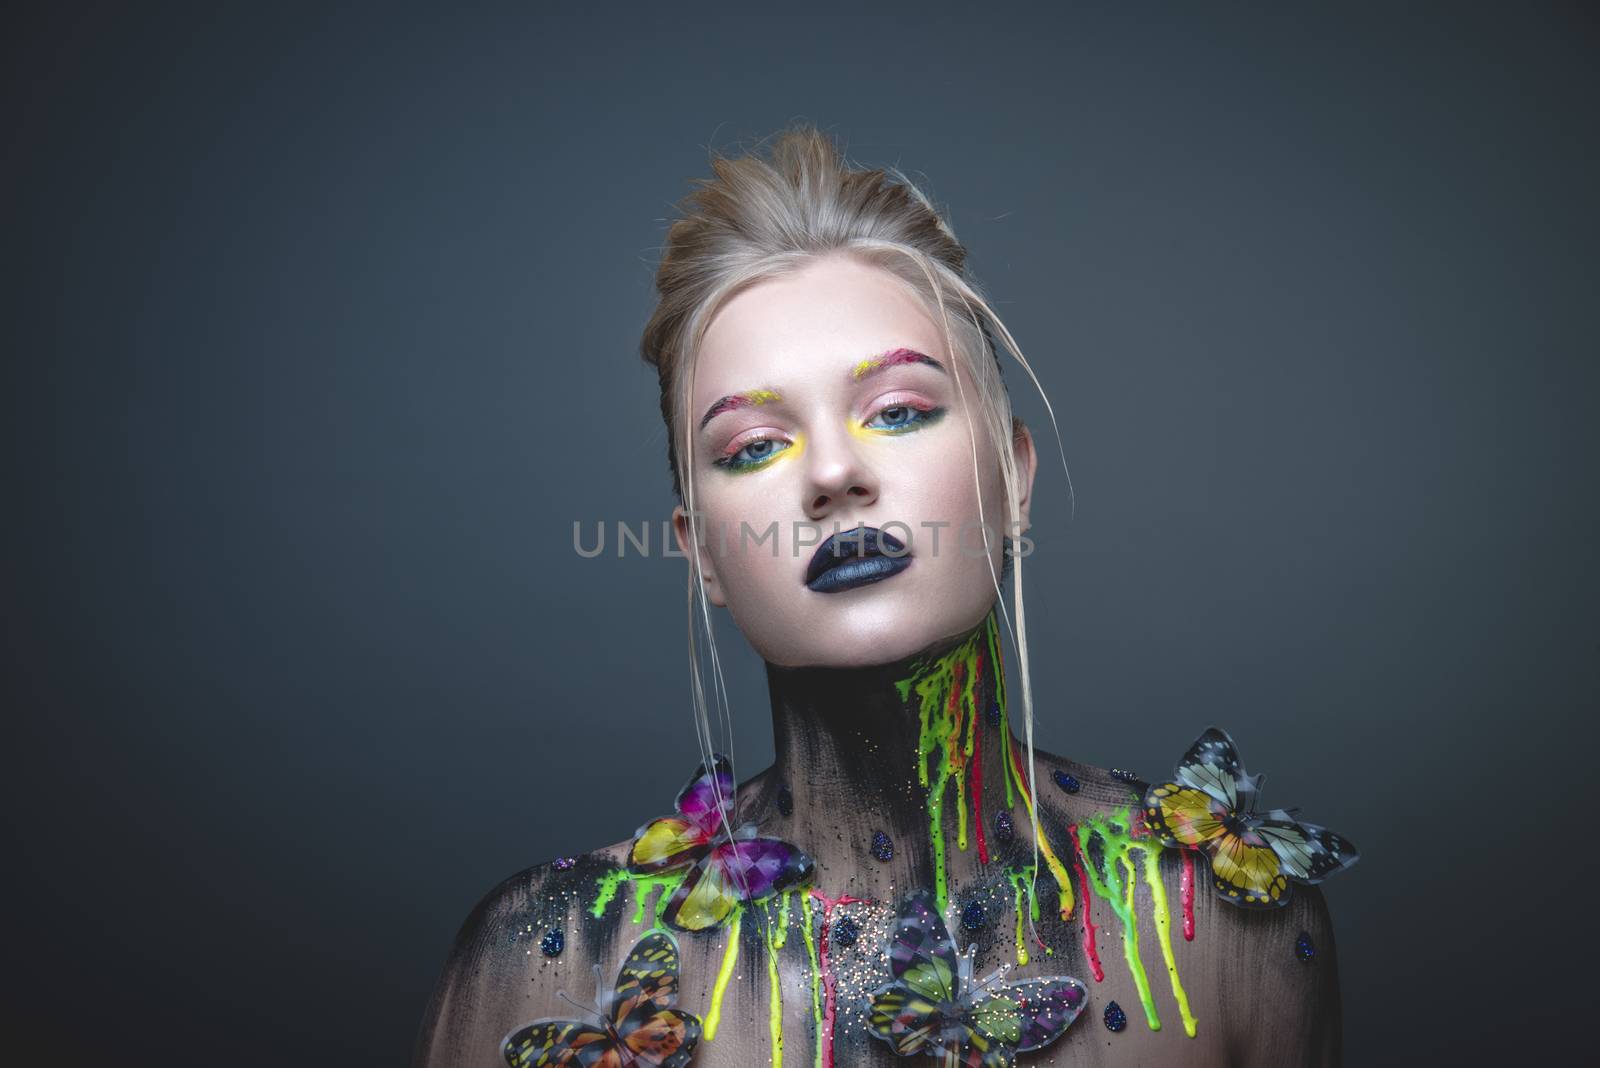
x,y
869,366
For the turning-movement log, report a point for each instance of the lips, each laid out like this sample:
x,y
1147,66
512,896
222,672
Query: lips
x,y
854,558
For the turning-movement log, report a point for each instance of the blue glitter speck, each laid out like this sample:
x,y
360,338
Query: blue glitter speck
x,y
1304,948
1003,827
973,917
785,801
1116,1019
1066,782
1123,776
564,863
553,942
845,931
993,714
882,846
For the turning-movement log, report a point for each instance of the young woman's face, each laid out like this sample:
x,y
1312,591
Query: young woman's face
x,y
825,400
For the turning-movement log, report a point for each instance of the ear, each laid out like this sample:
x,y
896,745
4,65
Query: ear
x,y
708,570
1027,461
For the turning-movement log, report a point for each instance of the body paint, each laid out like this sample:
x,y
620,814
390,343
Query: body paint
x,y
1119,837
1057,871
649,886
1186,895
730,956
1088,922
816,978
1158,897
830,985
775,991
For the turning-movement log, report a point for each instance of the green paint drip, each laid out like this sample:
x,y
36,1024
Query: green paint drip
x,y
1158,894
1103,879
942,739
650,887
1022,947
816,974
607,885
730,956
936,836
997,668
1022,886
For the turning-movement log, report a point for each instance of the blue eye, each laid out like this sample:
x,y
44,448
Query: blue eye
x,y
900,418
752,456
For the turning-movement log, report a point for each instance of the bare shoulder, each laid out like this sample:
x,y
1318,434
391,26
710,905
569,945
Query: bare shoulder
x,y
530,938
1265,979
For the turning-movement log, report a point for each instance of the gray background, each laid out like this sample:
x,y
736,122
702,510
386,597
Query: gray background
x,y
322,332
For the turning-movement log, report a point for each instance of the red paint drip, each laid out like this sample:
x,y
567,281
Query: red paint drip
x,y
829,983
1088,924
1186,892
977,793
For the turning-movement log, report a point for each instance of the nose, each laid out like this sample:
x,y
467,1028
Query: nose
x,y
837,477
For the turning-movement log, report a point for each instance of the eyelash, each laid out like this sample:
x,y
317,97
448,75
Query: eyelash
x,y
920,417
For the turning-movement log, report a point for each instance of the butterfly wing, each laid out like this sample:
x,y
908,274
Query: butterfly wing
x,y
910,1011
1246,871
706,797
660,1037
921,951
649,976
1031,1014
1182,815
667,843
1307,852
554,1044
1212,766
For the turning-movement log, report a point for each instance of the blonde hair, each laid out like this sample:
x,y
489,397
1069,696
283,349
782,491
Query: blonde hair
x,y
764,216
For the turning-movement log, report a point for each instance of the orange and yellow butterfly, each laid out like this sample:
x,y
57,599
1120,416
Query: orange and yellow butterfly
x,y
635,1024
1254,859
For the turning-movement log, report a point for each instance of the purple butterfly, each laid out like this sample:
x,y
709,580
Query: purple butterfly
x,y
724,873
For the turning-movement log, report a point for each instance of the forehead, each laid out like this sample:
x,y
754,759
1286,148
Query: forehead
x,y
809,326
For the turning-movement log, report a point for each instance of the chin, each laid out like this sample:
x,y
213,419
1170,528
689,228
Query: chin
x,y
836,633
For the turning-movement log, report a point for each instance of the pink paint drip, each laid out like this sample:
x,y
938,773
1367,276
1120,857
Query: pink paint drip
x,y
829,983
1088,923
1186,892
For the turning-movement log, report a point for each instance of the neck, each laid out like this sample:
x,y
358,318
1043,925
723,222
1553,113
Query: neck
x,y
880,738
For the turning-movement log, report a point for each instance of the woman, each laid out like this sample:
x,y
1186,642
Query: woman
x,y
854,491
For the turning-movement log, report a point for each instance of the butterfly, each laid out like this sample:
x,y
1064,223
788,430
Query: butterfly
x,y
638,1025
723,873
1211,808
933,1006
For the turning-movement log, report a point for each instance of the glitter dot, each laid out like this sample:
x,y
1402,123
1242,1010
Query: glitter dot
x,y
1123,776
1065,781
882,846
845,931
973,917
1003,827
564,863
553,942
993,715
1116,1019
785,801
1304,948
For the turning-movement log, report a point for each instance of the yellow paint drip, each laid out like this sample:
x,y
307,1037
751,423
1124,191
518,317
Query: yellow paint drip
x,y
1158,893
730,956
774,1000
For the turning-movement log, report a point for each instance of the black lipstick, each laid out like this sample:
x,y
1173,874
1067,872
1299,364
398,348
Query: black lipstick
x,y
854,558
